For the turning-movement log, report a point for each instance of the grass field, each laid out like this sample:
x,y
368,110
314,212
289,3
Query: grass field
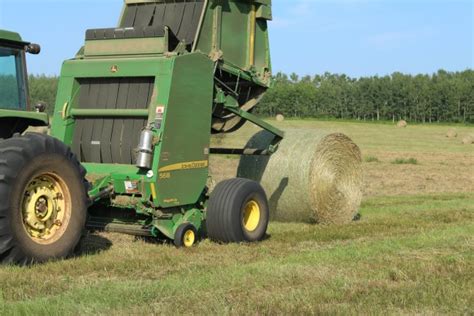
x,y
411,252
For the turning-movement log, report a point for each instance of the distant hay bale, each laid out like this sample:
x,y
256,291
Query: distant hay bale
x,y
280,118
451,133
468,140
314,177
402,124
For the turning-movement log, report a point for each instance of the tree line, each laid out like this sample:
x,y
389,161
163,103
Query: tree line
x,y
43,89
440,97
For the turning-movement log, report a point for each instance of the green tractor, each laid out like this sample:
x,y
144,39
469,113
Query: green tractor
x,y
131,131
16,113
28,201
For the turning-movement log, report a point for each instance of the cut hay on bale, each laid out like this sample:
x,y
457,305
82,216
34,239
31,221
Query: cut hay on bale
x,y
468,140
280,118
314,177
451,133
402,124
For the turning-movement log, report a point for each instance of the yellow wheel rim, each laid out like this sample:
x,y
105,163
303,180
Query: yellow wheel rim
x,y
189,238
46,208
251,216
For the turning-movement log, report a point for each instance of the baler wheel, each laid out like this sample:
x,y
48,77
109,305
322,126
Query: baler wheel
x,y
43,199
237,212
185,236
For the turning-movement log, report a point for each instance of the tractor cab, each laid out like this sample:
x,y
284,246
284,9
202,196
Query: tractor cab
x,y
14,100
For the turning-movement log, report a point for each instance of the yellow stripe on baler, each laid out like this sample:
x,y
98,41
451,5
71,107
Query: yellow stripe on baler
x,y
185,166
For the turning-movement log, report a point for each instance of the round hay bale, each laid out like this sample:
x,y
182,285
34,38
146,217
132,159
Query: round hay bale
x,y
280,118
314,177
402,124
468,140
40,130
451,133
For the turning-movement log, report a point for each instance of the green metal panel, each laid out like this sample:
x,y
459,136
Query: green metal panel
x,y
184,150
109,113
262,49
235,33
62,126
99,169
184,87
238,30
130,46
117,67
11,36
12,121
41,118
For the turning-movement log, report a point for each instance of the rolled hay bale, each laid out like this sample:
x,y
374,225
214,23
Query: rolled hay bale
x,y
468,140
40,130
402,124
314,177
280,118
451,133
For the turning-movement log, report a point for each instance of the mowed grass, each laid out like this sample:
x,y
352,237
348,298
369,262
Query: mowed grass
x,y
407,254
412,251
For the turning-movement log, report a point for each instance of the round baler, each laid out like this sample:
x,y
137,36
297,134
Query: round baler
x,y
130,135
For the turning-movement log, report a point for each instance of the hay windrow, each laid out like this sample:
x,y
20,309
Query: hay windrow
x,y
314,177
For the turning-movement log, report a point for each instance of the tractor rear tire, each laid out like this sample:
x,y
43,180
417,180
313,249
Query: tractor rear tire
x,y
43,200
237,212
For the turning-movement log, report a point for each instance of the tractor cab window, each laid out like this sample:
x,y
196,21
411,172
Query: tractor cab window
x,y
12,81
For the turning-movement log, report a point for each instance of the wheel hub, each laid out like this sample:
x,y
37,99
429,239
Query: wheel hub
x,y
189,238
251,218
43,207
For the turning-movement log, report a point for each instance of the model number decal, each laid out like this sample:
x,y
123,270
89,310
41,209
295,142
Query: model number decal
x,y
165,175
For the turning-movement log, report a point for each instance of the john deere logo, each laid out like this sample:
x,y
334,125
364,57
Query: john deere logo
x,y
114,69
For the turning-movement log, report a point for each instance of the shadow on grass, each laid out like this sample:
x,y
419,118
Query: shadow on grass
x,y
202,236
92,244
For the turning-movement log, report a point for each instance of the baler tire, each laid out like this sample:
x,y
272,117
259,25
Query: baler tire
x,y
237,212
185,236
43,194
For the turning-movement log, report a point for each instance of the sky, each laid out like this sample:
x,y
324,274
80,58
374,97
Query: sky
x,y
308,37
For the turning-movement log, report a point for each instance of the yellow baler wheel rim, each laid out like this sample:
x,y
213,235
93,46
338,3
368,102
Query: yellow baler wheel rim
x,y
252,214
189,238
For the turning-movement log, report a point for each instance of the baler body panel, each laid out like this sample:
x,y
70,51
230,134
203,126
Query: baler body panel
x,y
237,30
179,88
185,140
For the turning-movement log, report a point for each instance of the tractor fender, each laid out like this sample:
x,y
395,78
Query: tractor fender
x,y
13,121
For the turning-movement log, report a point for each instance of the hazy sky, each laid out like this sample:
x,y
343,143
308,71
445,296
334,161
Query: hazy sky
x,y
356,37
